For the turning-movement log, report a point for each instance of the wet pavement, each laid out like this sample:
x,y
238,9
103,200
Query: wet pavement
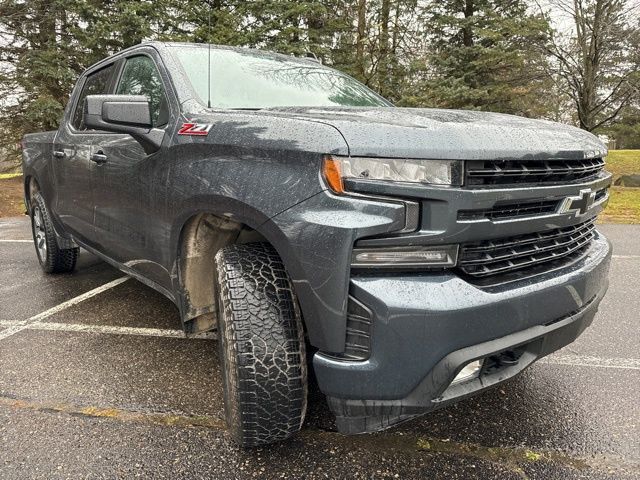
x,y
108,388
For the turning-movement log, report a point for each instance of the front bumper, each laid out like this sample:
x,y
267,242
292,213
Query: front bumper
x,y
427,327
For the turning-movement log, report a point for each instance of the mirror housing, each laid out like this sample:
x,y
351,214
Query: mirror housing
x,y
123,114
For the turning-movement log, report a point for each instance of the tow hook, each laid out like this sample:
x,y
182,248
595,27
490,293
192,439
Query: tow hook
x,y
507,358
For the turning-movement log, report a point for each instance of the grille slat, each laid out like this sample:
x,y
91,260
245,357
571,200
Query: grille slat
x,y
504,172
524,239
496,257
513,210
533,249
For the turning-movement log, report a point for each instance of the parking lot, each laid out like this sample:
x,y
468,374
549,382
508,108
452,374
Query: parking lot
x,y
97,381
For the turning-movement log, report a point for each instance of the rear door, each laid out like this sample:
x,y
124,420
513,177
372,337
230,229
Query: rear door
x,y
131,184
74,164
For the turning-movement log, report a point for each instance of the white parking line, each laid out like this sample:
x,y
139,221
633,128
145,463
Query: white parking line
x,y
7,240
69,303
105,329
567,360
625,256
589,361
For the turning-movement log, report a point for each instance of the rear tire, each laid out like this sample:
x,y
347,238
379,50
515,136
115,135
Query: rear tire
x,y
262,346
52,258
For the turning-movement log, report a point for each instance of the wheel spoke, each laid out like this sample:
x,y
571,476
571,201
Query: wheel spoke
x,y
39,233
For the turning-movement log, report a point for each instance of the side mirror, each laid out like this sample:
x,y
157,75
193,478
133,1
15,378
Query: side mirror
x,y
123,114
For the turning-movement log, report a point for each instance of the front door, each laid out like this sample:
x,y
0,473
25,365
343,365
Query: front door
x,y
129,197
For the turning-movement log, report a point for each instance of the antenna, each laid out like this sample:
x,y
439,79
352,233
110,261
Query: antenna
x,y
209,61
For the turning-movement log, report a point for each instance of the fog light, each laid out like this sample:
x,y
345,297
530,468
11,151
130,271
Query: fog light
x,y
469,371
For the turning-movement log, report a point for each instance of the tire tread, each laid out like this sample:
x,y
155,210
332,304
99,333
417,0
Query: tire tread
x,y
59,260
262,343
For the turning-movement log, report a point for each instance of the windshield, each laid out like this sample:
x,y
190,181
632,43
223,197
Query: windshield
x,y
247,79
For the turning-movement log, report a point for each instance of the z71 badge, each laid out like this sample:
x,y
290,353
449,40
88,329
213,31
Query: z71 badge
x,y
195,129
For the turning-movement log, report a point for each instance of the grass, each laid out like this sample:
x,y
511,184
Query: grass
x,y
623,207
624,202
11,193
623,162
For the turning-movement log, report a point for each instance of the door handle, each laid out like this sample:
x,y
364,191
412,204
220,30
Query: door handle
x,y
59,153
99,157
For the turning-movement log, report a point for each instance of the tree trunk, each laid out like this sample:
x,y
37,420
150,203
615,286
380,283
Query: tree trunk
x,y
383,62
360,39
47,36
589,26
467,31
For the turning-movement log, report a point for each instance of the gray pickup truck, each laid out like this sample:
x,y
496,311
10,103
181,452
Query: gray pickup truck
x,y
410,257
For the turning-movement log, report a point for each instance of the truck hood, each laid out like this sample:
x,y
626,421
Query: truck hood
x,y
449,134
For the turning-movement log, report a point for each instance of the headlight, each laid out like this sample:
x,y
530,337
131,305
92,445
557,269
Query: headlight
x,y
414,256
432,172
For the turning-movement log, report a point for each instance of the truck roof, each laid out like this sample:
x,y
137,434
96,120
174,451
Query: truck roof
x,y
162,45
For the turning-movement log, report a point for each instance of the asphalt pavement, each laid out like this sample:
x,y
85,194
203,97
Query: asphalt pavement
x,y
97,381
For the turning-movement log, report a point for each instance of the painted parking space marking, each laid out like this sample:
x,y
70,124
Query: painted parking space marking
x,y
590,361
7,240
106,329
58,308
625,256
566,360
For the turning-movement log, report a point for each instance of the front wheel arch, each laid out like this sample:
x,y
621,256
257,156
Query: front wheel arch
x,y
201,236
261,343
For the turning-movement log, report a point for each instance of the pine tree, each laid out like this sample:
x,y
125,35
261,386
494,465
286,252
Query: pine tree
x,y
477,54
48,43
481,55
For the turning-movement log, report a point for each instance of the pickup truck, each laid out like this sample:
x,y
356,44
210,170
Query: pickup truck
x,y
410,257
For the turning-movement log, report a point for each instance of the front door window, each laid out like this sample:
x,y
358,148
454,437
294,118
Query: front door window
x,y
141,77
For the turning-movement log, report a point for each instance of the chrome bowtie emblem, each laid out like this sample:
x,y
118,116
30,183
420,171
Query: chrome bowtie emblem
x,y
580,203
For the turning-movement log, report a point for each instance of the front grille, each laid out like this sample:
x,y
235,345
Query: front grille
x,y
524,253
509,211
506,172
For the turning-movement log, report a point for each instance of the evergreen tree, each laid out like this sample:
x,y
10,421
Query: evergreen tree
x,y
626,129
37,74
481,55
46,44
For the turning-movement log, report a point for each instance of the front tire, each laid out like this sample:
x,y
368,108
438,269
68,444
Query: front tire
x,y
52,258
262,346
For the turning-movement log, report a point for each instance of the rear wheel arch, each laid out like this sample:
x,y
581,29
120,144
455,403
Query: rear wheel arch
x,y
31,187
52,257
